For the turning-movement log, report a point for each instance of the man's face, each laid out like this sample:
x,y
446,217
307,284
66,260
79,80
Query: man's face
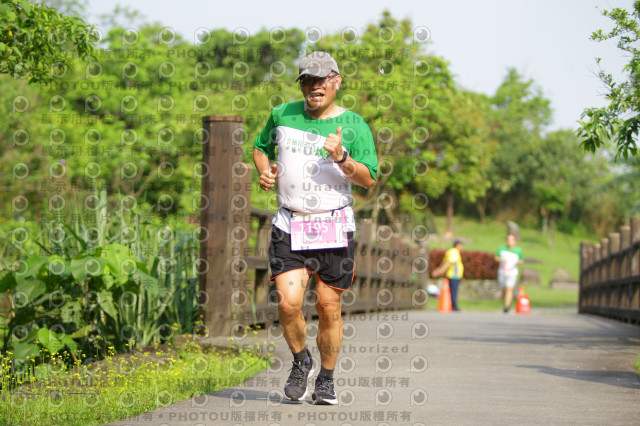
x,y
320,92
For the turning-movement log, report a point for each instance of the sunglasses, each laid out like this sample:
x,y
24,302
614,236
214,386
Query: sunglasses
x,y
308,81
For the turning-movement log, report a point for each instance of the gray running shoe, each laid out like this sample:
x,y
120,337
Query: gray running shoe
x,y
297,384
324,393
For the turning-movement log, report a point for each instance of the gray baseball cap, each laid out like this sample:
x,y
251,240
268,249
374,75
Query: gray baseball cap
x,y
317,64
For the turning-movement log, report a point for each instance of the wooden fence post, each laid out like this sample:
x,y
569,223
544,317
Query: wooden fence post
x,y
635,238
604,253
239,236
596,276
625,242
634,267
614,248
584,263
221,153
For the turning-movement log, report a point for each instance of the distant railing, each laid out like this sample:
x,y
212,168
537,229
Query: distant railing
x,y
235,237
610,275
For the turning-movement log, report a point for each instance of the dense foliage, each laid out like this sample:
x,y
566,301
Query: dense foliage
x,y
619,121
37,42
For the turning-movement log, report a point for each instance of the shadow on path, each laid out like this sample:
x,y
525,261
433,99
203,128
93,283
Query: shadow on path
x,y
503,332
625,379
238,396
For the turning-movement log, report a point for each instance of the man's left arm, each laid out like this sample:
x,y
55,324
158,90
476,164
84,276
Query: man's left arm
x,y
358,172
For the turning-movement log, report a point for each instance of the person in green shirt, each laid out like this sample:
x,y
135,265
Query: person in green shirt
x,y
453,270
314,149
509,256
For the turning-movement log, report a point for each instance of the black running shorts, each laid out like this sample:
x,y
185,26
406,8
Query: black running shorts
x,y
333,267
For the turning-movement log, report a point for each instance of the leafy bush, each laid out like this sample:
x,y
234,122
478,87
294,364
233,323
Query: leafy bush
x,y
119,283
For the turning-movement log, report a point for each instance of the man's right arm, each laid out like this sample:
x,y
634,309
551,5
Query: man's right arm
x,y
267,173
261,160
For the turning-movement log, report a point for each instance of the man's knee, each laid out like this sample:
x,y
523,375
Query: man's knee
x,y
289,310
329,310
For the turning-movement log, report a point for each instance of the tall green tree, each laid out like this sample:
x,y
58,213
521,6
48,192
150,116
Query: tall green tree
x,y
619,121
560,173
520,114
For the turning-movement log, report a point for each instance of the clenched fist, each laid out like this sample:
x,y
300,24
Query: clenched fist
x,y
268,177
333,145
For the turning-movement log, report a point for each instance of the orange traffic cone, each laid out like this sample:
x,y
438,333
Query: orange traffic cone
x,y
445,297
523,304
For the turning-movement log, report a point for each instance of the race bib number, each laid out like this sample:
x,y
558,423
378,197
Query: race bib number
x,y
318,230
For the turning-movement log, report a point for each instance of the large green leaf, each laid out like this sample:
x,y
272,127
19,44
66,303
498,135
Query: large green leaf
x,y
26,6
79,267
105,300
147,282
116,254
50,340
82,331
70,343
24,348
34,263
32,288
71,311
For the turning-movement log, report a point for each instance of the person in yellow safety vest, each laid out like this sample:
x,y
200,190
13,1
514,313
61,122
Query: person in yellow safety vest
x,y
452,264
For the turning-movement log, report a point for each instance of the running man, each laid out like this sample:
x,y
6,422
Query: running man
x,y
321,148
509,256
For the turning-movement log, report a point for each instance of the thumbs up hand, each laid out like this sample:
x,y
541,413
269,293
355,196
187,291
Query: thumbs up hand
x,y
333,145
268,177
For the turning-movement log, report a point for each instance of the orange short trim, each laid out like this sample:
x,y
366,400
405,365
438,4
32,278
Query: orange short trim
x,y
353,275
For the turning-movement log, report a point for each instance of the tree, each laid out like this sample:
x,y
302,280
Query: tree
x,y
620,120
560,173
36,40
520,113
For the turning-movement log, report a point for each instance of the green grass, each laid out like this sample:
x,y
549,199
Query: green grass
x,y
540,297
119,387
565,254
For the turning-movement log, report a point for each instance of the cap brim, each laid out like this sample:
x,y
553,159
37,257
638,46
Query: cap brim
x,y
319,74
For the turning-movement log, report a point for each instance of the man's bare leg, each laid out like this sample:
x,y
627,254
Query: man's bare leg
x,y
329,340
330,328
508,296
291,287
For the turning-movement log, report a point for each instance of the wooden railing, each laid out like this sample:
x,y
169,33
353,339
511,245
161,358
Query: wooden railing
x,y
610,275
235,237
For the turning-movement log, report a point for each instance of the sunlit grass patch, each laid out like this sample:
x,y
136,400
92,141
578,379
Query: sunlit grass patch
x,y
121,386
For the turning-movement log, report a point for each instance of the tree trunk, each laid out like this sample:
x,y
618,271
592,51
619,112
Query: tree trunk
x,y
545,220
481,205
449,232
552,230
374,221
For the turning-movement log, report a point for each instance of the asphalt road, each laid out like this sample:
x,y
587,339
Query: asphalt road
x,y
426,367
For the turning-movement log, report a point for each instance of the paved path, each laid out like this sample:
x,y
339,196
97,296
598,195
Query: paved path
x,y
424,367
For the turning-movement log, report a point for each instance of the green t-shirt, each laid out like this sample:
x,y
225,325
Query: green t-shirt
x,y
308,180
509,258
356,135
